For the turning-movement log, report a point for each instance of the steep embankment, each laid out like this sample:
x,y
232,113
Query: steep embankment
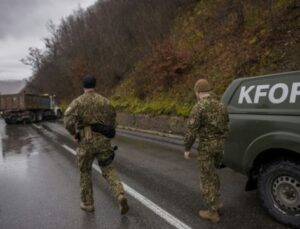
x,y
106,40
146,55
219,40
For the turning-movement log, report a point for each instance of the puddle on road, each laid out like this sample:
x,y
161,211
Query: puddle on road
x,y
16,142
2,136
33,154
1,150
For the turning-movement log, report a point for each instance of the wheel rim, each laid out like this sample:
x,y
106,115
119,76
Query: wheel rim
x,y
286,194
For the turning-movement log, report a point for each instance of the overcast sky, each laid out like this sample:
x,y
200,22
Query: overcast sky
x,y
23,25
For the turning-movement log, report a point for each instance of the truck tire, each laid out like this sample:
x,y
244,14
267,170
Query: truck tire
x,y
59,114
7,121
39,116
11,120
32,117
279,191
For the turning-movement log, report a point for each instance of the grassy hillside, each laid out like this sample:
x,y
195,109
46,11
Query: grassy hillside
x,y
218,40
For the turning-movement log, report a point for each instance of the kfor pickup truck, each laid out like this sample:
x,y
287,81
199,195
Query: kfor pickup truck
x,y
264,141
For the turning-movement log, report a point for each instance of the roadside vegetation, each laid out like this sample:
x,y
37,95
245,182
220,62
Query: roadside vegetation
x,y
147,55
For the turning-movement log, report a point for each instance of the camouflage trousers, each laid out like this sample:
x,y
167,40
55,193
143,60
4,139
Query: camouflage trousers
x,y
85,162
210,155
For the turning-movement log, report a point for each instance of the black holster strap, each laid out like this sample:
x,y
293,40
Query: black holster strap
x,y
108,161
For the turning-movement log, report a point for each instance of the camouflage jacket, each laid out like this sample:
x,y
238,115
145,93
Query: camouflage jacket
x,y
208,120
89,108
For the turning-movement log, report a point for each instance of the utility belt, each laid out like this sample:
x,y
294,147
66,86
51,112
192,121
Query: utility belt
x,y
107,131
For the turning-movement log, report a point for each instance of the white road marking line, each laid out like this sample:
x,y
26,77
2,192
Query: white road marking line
x,y
155,208
36,126
97,168
143,200
69,149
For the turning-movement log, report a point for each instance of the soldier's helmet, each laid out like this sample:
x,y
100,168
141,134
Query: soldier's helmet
x,y
202,85
89,82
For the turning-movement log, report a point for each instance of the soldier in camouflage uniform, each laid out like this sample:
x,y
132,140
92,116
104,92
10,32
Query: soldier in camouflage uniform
x,y
88,109
209,121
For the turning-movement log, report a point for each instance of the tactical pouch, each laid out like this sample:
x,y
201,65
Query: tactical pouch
x,y
108,161
88,135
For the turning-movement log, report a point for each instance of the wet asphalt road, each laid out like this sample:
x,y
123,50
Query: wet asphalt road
x,y
39,185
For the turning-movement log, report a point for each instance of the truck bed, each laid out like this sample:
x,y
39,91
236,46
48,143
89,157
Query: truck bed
x,y
24,101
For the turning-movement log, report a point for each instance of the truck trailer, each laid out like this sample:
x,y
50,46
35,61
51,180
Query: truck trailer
x,y
19,106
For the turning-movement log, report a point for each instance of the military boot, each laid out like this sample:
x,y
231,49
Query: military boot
x,y
88,208
123,204
213,216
